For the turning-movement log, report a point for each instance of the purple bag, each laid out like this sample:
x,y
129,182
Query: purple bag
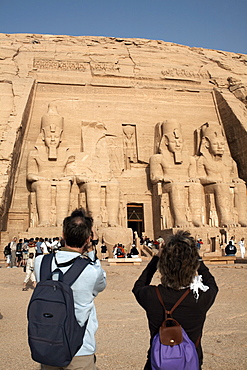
x,y
171,348
181,356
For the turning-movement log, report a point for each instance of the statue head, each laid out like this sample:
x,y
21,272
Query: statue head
x,y
172,138
213,139
128,131
52,128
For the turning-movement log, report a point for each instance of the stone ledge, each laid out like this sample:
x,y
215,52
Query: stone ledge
x,y
124,261
219,260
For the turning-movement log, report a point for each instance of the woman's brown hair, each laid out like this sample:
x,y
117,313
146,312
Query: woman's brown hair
x,y
178,261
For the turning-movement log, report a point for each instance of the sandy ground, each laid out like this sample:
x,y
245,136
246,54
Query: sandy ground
x,y
122,337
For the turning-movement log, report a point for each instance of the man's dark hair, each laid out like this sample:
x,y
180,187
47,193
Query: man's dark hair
x,y
62,243
178,261
77,228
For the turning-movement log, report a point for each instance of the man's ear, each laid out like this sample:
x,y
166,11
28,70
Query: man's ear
x,y
166,141
206,142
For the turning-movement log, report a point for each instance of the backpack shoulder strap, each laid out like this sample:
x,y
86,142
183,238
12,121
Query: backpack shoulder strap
x,y
75,270
176,304
77,266
179,301
159,297
45,267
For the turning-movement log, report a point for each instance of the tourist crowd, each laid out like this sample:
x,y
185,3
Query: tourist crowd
x,y
16,253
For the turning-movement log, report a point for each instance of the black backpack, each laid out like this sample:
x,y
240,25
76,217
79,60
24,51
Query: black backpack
x,y
7,250
54,335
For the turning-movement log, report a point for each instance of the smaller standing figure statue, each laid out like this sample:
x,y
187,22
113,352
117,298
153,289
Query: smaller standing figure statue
x,y
130,153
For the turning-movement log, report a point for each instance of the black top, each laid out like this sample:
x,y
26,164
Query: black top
x,y
7,250
103,248
230,249
190,313
134,251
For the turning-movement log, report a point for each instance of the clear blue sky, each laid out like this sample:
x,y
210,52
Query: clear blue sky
x,y
211,24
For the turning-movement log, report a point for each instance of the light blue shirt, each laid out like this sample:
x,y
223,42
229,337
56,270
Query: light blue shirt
x,y
90,282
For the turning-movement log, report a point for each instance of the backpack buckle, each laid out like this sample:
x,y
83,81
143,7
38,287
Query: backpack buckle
x,y
170,333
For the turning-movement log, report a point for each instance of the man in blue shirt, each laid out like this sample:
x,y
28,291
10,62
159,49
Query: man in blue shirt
x,y
77,232
38,246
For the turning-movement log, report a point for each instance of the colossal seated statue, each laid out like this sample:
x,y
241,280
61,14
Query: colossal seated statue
x,y
175,169
219,176
95,177
48,172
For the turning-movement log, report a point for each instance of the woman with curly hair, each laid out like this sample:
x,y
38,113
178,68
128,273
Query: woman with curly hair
x,y
180,267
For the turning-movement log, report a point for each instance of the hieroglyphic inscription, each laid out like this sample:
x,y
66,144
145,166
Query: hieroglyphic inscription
x,y
181,72
70,65
104,66
64,65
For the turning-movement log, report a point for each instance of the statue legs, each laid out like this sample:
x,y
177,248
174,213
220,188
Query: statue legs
x,y
112,203
240,203
45,197
62,200
195,203
222,197
43,201
177,203
93,195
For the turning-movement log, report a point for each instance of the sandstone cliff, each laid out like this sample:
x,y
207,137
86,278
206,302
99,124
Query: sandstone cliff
x,y
143,80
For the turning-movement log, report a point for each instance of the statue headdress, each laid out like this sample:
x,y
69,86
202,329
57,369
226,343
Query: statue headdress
x,y
54,122
209,128
164,128
52,118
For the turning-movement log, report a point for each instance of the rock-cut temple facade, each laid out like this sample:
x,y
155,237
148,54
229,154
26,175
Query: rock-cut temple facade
x,y
149,136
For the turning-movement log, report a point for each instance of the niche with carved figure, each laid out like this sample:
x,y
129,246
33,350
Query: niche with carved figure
x,y
129,145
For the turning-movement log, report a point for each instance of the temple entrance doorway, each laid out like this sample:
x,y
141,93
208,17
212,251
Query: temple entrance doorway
x,y
213,244
135,217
